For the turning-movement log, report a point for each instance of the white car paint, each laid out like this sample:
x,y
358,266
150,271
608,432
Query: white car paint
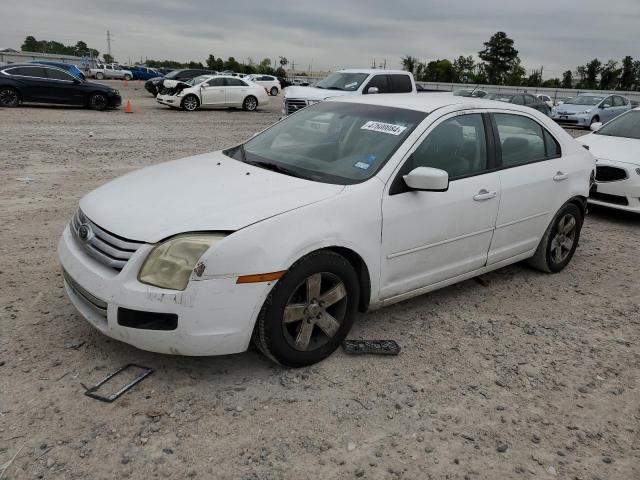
x,y
546,99
617,152
427,239
271,83
109,71
214,91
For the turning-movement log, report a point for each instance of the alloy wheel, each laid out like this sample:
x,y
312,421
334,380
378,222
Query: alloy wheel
x,y
251,103
562,243
190,103
98,102
315,311
8,97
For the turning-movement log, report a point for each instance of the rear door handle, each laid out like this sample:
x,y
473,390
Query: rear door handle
x,y
560,176
484,195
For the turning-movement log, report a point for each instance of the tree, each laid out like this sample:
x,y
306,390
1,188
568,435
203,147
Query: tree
x,y
515,75
439,71
193,64
211,61
552,83
265,67
283,62
499,56
592,70
567,79
409,63
107,58
231,64
628,75
463,68
535,79
30,44
610,75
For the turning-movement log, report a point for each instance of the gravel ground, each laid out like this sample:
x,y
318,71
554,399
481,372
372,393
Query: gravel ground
x,y
516,375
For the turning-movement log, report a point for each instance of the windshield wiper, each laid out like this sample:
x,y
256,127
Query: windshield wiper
x,y
335,88
274,167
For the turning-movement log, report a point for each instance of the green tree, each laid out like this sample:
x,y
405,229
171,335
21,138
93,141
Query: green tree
x,y
500,57
439,71
552,83
463,68
211,61
515,75
567,79
409,63
283,62
610,75
628,75
30,44
534,79
231,64
107,58
592,70
265,67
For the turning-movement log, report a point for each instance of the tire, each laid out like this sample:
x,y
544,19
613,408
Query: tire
x,y
308,336
190,103
9,97
127,77
274,91
250,103
99,75
560,241
98,101
594,120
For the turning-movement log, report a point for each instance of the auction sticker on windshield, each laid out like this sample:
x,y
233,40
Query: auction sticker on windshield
x,y
383,128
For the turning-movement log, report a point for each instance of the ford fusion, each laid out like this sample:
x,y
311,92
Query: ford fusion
x,y
346,206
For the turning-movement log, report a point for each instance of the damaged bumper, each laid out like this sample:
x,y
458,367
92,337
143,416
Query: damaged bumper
x,y
210,317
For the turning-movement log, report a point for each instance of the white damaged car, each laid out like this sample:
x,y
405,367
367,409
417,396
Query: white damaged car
x,y
213,91
348,205
616,146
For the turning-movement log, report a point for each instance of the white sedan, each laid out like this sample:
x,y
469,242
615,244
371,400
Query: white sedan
x,y
269,82
616,146
348,205
217,91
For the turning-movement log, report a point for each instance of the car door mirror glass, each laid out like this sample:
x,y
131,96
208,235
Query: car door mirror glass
x,y
427,179
372,90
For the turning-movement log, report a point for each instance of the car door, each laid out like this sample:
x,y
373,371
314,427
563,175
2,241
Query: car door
x,y
531,179
607,111
213,92
36,85
63,87
620,105
236,91
429,237
381,82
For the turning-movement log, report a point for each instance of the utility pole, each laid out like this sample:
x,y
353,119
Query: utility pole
x,y
109,42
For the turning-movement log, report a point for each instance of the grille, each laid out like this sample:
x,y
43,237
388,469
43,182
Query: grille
x,y
92,301
608,198
294,104
109,249
605,173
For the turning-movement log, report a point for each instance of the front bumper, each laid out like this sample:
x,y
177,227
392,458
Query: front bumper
x,y
621,194
572,119
215,316
115,100
170,100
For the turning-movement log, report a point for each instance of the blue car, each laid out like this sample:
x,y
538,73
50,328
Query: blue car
x,y
143,73
69,67
588,108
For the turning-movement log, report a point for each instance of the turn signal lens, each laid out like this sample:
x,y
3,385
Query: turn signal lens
x,y
260,277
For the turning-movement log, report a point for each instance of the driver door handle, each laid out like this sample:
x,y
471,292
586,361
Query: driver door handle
x,y
560,176
484,195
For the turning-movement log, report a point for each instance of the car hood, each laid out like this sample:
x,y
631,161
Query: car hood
x,y
209,192
314,93
619,149
96,85
569,108
175,83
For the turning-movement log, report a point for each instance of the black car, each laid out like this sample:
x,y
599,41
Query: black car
x,y
31,83
153,85
521,99
284,83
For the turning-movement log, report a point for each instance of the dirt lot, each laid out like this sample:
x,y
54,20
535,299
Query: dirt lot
x,y
520,375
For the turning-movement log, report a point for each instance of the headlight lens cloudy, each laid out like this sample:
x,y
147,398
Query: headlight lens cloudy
x,y
169,265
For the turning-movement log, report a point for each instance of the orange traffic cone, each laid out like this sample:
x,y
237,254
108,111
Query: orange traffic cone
x,y
129,108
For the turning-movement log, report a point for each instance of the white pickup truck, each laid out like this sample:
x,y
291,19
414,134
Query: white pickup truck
x,y
348,82
110,71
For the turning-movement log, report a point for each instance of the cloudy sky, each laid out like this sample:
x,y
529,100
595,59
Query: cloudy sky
x,y
331,34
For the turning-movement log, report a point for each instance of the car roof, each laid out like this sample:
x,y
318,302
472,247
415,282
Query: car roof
x,y
593,94
427,101
370,71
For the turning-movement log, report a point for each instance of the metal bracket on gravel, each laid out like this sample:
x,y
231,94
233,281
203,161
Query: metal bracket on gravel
x,y
378,347
91,392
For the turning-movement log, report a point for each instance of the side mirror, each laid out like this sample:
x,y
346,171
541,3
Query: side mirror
x,y
371,90
427,179
595,126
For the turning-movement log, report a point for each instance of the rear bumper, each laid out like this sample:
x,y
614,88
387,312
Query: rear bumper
x,y
214,316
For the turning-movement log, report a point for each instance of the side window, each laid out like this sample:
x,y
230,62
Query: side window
x,y
552,146
234,82
400,83
58,74
458,146
608,102
521,139
529,100
29,72
380,82
216,82
618,102
518,100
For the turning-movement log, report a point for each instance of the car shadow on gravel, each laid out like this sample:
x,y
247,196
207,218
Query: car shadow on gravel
x,y
613,215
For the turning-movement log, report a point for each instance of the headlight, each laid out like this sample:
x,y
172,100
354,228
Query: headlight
x,y
116,92
169,265
585,112
313,102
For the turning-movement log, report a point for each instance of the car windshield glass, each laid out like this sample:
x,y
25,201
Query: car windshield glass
x,y
627,126
462,93
501,97
172,74
583,100
331,142
196,80
342,81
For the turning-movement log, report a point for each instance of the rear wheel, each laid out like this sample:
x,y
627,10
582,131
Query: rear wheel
x,y
9,97
310,310
560,241
98,101
274,91
99,75
190,103
250,103
127,77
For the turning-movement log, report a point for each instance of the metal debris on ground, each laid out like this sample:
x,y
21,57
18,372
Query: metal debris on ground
x,y
379,347
92,391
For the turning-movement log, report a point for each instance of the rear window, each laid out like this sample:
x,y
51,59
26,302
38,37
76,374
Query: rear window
x,y
28,71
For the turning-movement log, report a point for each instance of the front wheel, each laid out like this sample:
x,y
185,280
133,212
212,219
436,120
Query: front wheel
x,y
310,310
190,103
560,241
98,101
274,91
9,97
99,75
127,77
250,103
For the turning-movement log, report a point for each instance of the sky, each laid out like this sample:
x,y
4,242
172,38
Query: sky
x,y
332,34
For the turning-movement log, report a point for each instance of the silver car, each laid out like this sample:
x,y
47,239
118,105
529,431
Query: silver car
x,y
588,108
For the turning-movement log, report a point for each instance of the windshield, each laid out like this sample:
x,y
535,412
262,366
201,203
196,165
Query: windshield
x,y
501,97
331,142
172,74
627,126
583,100
196,80
342,81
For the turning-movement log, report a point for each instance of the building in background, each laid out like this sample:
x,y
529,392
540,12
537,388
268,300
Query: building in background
x,y
10,55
